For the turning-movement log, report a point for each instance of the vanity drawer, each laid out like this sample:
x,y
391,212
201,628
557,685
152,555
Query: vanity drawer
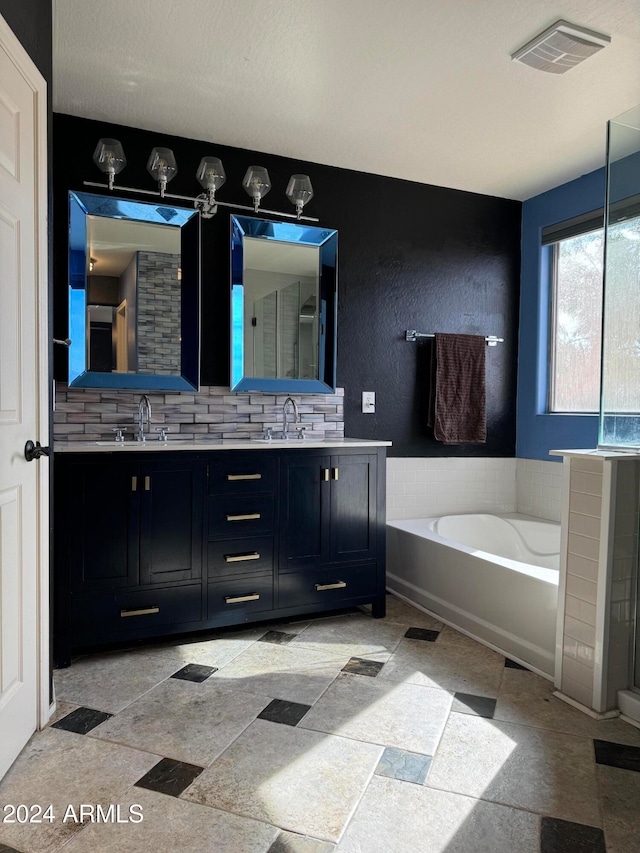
x,y
248,595
97,616
326,585
253,555
240,516
242,475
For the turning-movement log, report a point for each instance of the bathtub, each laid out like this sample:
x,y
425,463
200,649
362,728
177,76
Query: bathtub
x,y
494,577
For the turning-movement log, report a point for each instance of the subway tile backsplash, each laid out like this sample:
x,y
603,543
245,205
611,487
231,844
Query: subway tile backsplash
x,y
539,488
212,412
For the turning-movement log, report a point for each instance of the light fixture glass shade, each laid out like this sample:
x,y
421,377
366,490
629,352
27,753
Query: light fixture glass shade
x,y
257,184
211,174
162,166
109,158
299,191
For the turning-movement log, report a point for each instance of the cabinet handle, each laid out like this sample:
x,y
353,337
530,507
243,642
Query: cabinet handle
x,y
147,483
325,475
249,516
146,611
320,587
134,484
335,473
237,599
241,558
244,476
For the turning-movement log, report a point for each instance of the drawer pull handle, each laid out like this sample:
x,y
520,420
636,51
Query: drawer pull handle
x,y
320,587
335,473
145,611
244,476
240,558
147,484
325,474
237,599
134,484
249,516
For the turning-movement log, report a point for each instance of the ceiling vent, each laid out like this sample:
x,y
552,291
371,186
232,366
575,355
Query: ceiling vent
x,y
559,48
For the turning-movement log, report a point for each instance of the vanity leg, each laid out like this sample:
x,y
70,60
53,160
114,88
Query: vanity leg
x,y
379,607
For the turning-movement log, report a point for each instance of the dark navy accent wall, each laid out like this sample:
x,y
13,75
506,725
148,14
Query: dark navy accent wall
x,y
30,20
410,256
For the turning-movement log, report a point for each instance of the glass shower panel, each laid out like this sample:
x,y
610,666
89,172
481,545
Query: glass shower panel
x,y
620,393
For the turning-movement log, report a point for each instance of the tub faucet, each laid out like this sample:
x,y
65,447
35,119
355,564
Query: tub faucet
x,y
144,406
296,416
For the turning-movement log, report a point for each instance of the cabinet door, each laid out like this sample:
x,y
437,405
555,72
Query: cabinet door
x,y
353,507
304,522
171,521
104,525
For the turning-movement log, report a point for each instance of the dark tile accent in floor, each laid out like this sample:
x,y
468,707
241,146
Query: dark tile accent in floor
x,y
280,638
478,706
406,766
195,672
288,713
511,664
170,777
81,721
422,634
562,836
290,842
617,755
361,666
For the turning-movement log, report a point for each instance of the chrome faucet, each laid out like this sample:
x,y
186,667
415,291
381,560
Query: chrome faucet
x,y
143,406
285,422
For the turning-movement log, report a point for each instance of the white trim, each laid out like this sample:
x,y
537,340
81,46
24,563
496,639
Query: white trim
x,y
603,595
604,715
38,86
562,578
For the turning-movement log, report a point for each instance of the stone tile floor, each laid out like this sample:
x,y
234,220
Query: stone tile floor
x,y
340,733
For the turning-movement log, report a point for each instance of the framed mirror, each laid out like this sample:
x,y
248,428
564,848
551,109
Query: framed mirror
x,y
134,294
283,306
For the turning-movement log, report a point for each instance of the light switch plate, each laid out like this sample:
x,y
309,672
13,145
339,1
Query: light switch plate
x,y
368,401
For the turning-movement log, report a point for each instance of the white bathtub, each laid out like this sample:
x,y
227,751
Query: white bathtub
x,y
494,577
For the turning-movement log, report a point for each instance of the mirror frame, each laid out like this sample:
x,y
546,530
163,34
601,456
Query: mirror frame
x,y
326,239
82,205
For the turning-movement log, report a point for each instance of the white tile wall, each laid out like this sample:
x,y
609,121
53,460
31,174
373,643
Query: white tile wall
x,y
623,569
583,553
539,488
423,487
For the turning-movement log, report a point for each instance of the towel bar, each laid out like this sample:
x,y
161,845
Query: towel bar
x,y
412,335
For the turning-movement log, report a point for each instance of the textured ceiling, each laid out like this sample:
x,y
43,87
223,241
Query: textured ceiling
x,y
417,89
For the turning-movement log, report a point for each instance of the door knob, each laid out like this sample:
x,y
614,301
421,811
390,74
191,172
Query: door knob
x,y
35,451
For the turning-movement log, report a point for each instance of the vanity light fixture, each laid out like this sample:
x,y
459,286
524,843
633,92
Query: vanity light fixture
x,y
109,158
162,166
92,263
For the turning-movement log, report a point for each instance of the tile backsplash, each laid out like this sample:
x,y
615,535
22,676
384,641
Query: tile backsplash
x,y
212,412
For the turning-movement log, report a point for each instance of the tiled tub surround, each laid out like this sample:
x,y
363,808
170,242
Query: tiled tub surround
x,y
426,487
598,563
341,734
213,412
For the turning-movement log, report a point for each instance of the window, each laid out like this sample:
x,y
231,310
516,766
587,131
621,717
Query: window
x,y
576,322
576,249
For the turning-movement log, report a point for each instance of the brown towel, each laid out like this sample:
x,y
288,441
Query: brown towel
x,y
457,396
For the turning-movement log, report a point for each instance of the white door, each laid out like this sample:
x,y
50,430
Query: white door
x,y
23,399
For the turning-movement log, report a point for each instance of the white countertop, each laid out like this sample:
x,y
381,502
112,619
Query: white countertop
x,y
598,453
215,444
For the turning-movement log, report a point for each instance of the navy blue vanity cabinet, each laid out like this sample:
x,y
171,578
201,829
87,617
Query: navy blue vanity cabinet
x,y
128,547
332,533
241,536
